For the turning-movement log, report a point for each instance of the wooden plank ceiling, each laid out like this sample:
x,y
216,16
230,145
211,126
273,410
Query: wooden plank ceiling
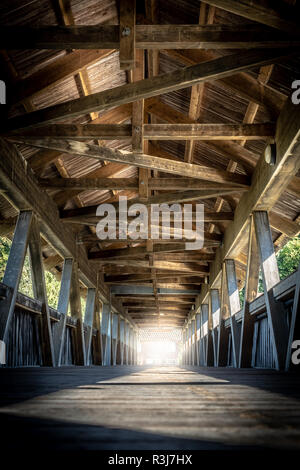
x,y
169,102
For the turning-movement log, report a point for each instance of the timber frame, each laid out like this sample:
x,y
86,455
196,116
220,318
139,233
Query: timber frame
x,y
183,114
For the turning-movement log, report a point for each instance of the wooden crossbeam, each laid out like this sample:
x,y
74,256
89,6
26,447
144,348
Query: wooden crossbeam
x,y
169,265
151,132
83,184
159,251
143,161
178,79
148,36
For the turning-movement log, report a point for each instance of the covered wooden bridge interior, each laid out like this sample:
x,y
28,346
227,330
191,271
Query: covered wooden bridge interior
x,y
162,102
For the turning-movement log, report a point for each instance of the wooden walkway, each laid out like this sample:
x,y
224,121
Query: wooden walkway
x,y
77,408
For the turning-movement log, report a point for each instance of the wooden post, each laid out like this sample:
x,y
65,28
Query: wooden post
x,y
208,324
121,341
59,328
270,274
295,322
251,287
127,34
106,335
234,307
114,337
198,338
215,314
127,343
97,341
77,332
13,271
88,320
223,336
40,293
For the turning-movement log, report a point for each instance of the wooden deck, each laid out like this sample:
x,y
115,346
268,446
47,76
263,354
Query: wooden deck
x,y
89,408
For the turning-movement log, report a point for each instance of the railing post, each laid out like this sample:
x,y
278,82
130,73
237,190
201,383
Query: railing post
x,y
270,274
59,328
251,288
88,320
234,307
39,287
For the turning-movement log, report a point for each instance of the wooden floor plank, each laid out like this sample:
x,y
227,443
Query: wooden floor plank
x,y
149,408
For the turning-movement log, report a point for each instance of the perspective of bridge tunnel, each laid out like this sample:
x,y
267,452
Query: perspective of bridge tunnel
x,y
131,342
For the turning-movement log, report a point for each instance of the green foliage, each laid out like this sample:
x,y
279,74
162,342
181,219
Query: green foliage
x,y
288,258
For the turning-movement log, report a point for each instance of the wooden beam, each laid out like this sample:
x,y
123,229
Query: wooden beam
x,y
83,184
282,17
250,293
62,308
143,161
89,321
127,34
196,131
40,293
270,274
223,336
147,36
178,79
75,307
169,265
234,307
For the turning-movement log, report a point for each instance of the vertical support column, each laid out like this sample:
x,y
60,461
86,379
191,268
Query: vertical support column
x,y
223,336
198,338
270,274
207,327
130,345
127,34
183,347
127,327
39,287
88,320
215,313
59,328
13,271
189,344
251,288
77,332
193,342
120,353
97,340
234,307
106,335
114,337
